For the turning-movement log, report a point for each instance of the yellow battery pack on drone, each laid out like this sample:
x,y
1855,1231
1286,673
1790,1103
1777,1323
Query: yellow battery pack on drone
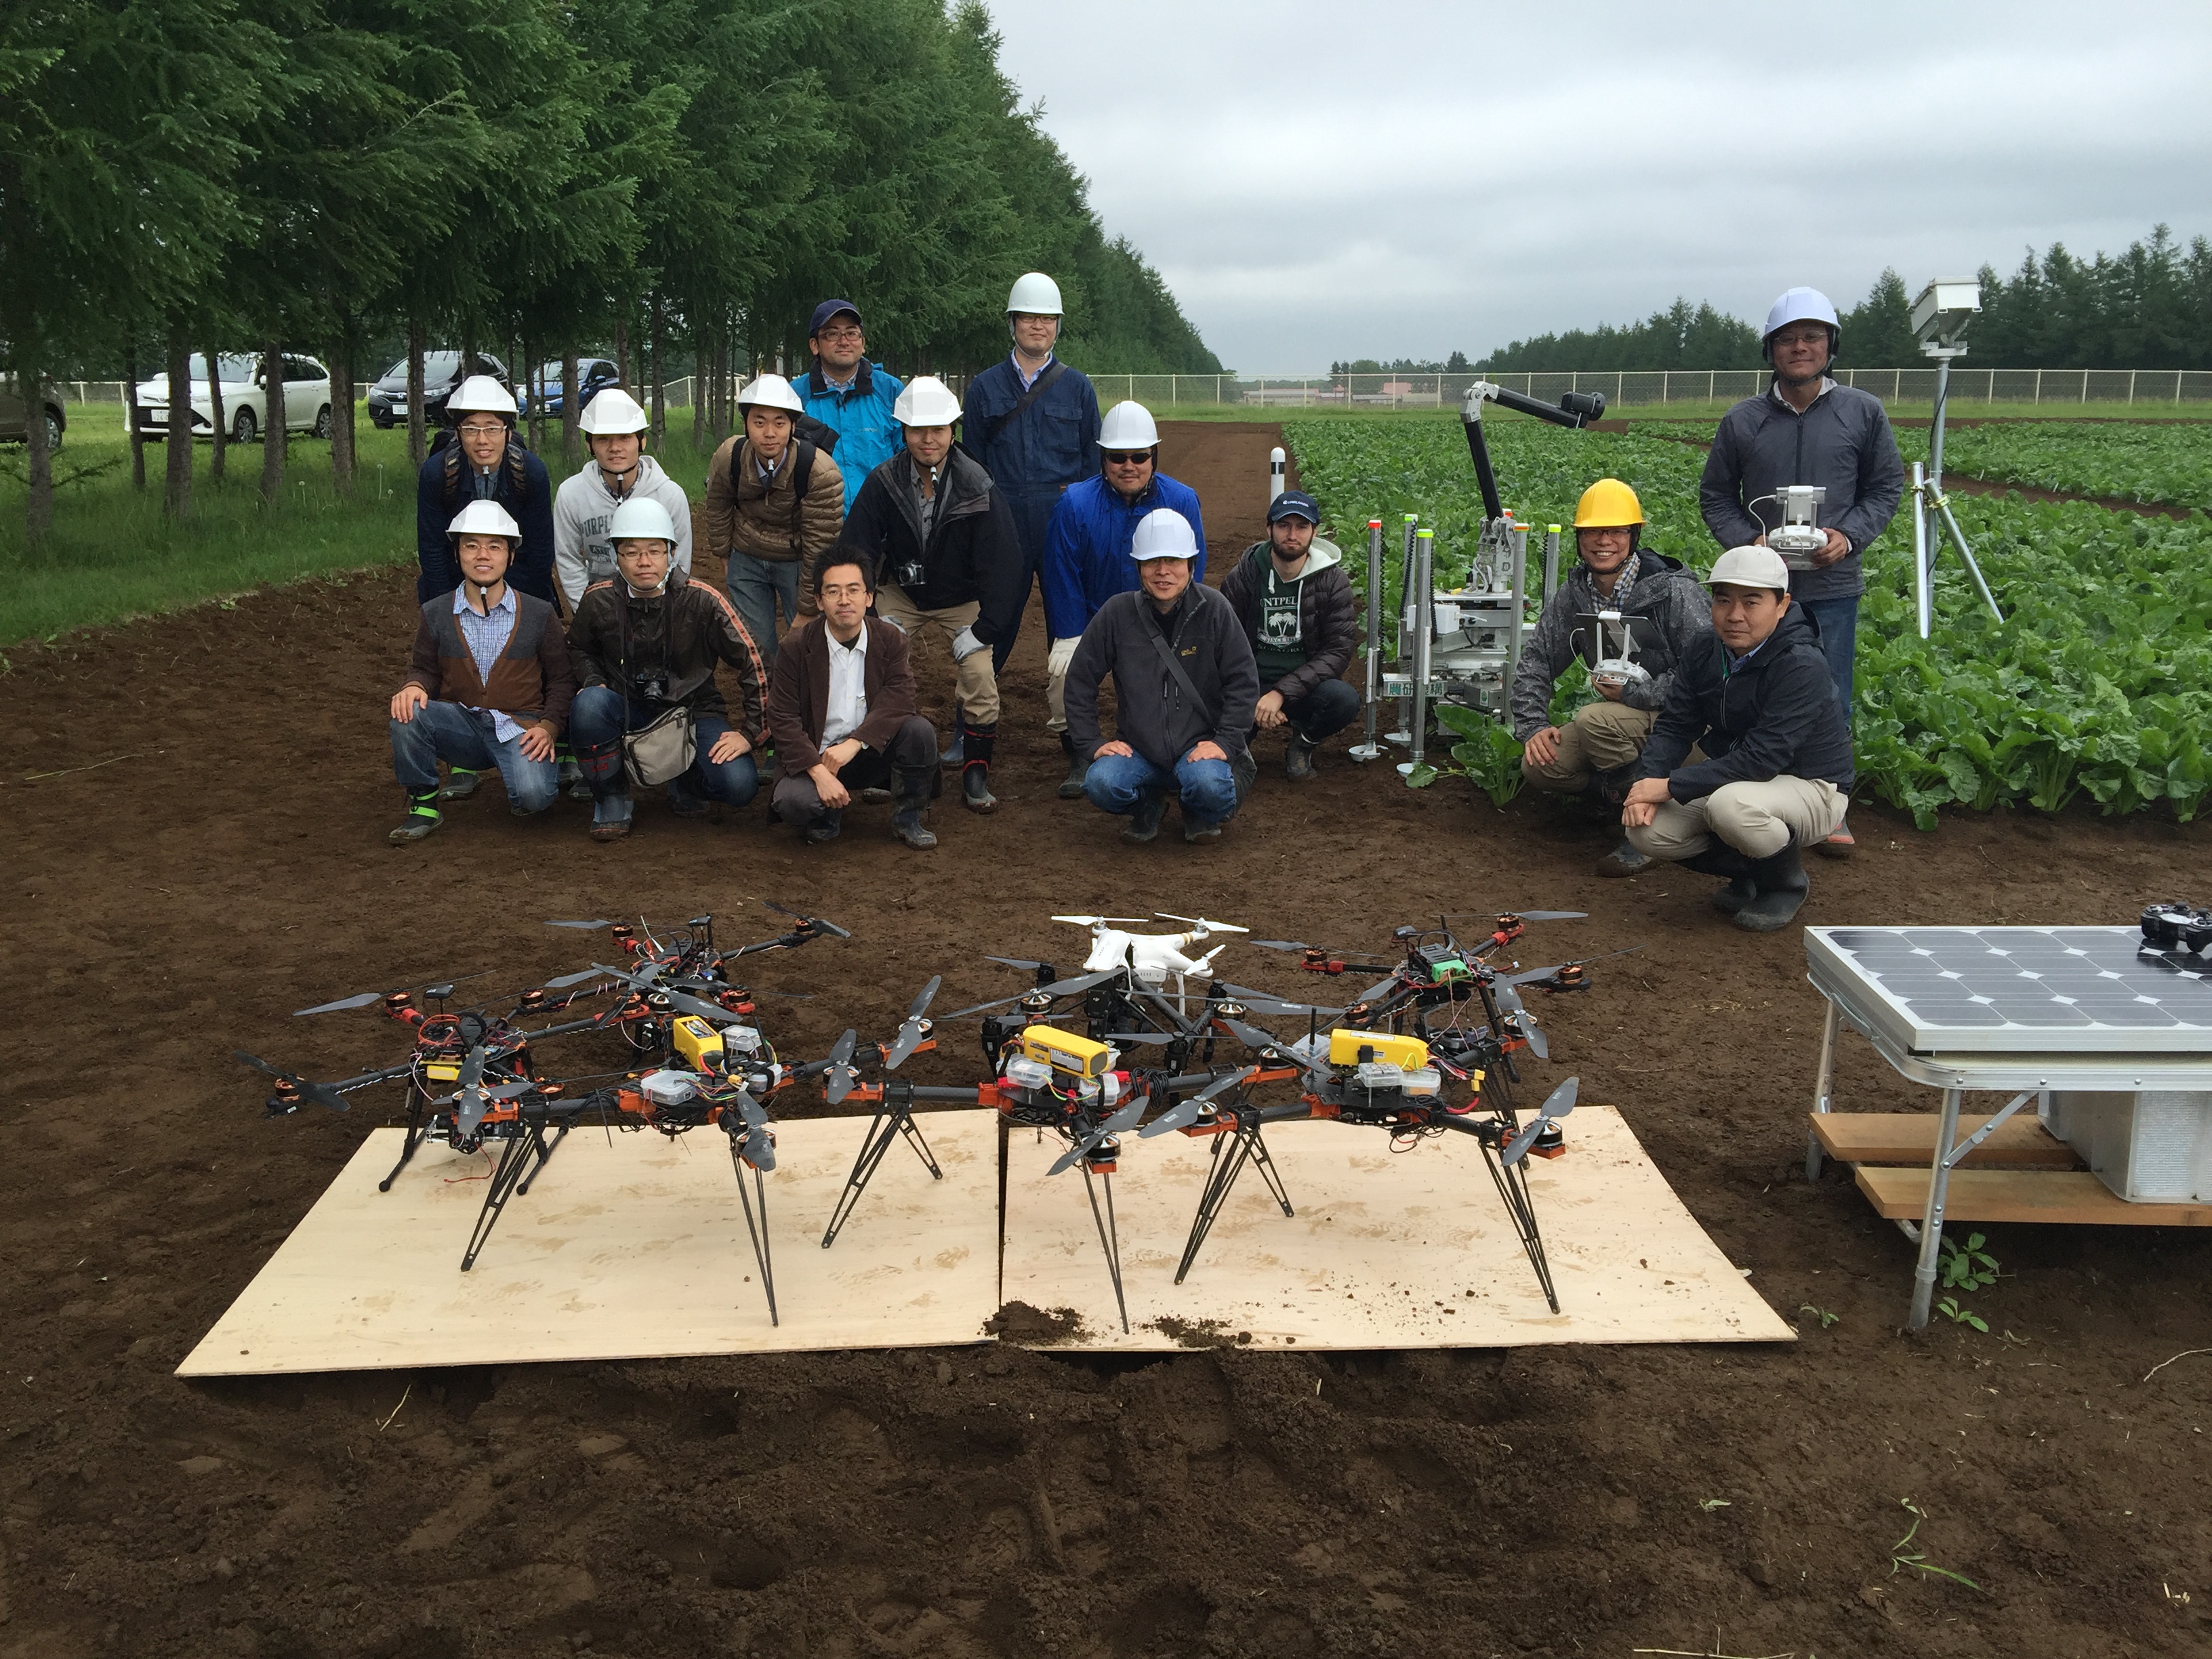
x,y
442,1072
1064,1051
693,1039
1410,1054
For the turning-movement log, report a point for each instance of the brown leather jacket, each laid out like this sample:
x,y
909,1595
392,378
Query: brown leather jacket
x,y
798,692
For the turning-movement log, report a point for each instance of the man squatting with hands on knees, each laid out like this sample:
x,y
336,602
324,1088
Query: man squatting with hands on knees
x,y
1300,619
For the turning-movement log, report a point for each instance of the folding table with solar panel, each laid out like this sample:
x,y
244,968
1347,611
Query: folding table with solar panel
x,y
2106,1031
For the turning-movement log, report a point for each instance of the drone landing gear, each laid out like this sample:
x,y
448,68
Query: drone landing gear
x,y
757,1232
1110,1238
1232,1150
892,1120
413,1137
520,1158
1513,1187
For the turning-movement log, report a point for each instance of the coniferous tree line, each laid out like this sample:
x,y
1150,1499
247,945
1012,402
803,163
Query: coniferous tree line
x,y
678,181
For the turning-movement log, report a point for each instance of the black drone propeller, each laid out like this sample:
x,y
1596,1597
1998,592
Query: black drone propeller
x,y
1185,1112
756,1145
439,989
1065,988
1557,1104
1516,1013
826,925
676,999
1265,1002
910,1032
321,1093
1126,1118
1525,915
1266,1043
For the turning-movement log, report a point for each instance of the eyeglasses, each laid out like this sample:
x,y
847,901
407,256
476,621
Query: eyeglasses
x,y
838,336
1803,337
1127,457
480,429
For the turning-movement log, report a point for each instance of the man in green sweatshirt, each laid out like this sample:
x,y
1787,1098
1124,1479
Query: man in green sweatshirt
x,y
1290,594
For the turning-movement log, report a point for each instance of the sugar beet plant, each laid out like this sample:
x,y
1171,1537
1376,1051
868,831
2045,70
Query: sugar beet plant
x,y
2099,683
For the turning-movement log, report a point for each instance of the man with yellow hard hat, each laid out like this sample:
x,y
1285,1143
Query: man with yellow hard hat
x,y
1629,615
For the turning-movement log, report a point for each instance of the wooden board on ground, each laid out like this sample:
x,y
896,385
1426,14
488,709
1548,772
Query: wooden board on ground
x,y
2020,1143
2066,1198
1386,1249
623,1249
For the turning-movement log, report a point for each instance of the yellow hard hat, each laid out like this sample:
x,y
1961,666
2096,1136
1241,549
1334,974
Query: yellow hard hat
x,y
1609,502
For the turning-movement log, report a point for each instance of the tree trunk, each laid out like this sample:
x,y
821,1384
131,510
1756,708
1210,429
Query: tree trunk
x,y
417,449
342,449
274,429
535,382
177,488
660,376
218,435
131,414
39,509
622,355
569,413
698,391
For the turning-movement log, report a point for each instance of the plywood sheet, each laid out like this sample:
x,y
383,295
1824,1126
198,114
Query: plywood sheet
x,y
2021,1142
1387,1250
2046,1195
621,1249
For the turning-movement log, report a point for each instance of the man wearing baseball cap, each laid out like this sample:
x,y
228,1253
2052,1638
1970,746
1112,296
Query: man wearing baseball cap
x,y
848,394
1756,694
1297,609
1184,689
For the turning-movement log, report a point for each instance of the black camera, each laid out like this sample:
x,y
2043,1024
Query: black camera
x,y
650,687
911,574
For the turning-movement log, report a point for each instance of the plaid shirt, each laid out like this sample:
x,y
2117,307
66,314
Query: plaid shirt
x,y
486,635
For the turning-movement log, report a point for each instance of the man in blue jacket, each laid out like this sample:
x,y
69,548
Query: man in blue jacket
x,y
1033,422
848,394
1086,552
480,459
1756,695
1807,429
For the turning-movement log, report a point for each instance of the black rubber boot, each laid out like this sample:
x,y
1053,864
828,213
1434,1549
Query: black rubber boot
x,y
976,743
1145,823
460,783
1781,886
822,827
907,806
1721,860
1297,757
422,817
952,754
602,767
1071,787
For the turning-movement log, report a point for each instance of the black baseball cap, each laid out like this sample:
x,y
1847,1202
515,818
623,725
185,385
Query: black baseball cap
x,y
828,310
1294,504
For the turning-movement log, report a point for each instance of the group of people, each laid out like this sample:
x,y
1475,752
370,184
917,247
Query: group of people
x,y
565,640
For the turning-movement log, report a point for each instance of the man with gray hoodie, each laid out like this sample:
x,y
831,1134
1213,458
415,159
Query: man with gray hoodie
x,y
614,426
1303,624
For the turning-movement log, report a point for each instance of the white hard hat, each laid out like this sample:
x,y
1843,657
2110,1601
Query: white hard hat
x,y
480,394
1163,533
1034,295
1799,304
926,401
485,519
1750,566
612,412
771,391
1128,425
641,519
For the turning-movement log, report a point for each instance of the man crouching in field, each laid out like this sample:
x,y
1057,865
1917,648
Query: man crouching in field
x,y
491,683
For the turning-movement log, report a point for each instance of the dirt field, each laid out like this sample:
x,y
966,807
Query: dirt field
x,y
173,905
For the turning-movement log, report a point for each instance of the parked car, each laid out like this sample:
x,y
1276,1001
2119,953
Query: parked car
x,y
12,427
594,376
441,373
244,398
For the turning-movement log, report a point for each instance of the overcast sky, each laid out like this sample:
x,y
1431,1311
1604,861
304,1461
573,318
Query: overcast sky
x,y
1396,177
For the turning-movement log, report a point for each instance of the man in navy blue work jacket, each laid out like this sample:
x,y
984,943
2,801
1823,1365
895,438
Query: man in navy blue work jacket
x,y
482,458
848,394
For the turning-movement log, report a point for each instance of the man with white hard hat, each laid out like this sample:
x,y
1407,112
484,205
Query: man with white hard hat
x,y
1756,695
614,428
478,457
1086,549
851,396
1185,687
645,643
774,502
939,534
1808,429
1033,422
491,685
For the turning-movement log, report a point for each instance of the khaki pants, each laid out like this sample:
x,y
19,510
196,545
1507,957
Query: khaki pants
x,y
1602,737
977,686
1758,819
1055,694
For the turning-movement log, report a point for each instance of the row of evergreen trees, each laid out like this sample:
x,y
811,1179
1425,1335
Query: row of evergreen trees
x,y
532,177
2148,307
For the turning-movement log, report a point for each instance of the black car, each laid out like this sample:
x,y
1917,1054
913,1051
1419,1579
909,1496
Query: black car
x,y
594,376
441,373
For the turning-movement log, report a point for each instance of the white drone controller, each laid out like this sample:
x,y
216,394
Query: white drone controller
x,y
1799,536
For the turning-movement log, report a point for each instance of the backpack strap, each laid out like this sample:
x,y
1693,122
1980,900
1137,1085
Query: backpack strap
x,y
1038,387
802,475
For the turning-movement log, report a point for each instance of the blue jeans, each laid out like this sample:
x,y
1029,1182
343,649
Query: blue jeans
x,y
1838,621
1210,790
756,586
463,736
595,722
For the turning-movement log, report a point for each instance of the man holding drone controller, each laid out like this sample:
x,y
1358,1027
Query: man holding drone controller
x,y
1632,615
1756,695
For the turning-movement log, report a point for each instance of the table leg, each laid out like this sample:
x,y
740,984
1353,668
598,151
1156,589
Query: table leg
x,y
1823,1088
1931,1220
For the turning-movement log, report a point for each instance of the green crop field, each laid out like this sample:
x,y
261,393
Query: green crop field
x,y
2099,683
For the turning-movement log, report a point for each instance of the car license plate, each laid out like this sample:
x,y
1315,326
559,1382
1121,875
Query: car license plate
x,y
399,411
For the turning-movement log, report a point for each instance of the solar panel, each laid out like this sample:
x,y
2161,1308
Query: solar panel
x,y
2042,990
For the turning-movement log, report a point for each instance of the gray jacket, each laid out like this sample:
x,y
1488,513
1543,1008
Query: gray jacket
x,y
1653,587
1842,442
1153,715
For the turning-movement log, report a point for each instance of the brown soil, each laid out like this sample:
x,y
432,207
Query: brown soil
x,y
171,906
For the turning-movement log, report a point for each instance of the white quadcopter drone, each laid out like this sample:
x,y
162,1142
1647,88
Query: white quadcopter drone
x,y
1150,956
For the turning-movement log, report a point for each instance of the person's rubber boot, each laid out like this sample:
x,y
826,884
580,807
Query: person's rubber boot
x,y
683,802
1624,860
1781,885
1071,787
1196,829
422,817
908,806
822,829
1724,860
460,783
1145,823
1838,844
602,767
572,781
954,753
1298,757
611,817
977,742
1612,787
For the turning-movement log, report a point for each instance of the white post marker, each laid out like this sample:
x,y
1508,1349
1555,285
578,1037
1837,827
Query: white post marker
x,y
1276,459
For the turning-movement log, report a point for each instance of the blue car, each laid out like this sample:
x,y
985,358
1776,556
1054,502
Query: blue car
x,y
594,376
